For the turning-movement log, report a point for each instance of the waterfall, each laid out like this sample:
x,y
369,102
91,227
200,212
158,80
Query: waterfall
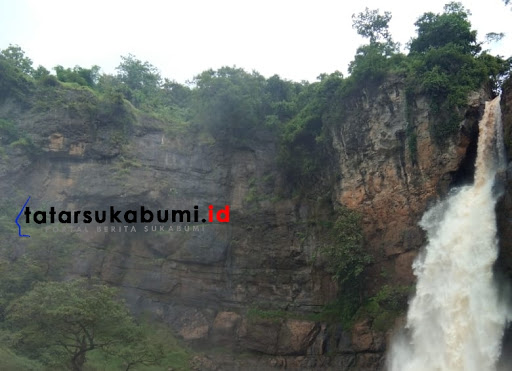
x,y
456,319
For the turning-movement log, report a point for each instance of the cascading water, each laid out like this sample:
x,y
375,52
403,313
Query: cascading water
x,y
456,319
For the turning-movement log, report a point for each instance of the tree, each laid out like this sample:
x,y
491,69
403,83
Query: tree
x,y
373,25
14,84
138,75
140,81
494,37
175,93
372,61
229,101
69,319
40,73
144,351
17,274
15,55
450,27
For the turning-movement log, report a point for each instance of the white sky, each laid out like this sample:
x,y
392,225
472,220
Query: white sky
x,y
297,40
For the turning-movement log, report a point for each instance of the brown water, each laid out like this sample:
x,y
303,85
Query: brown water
x,y
456,320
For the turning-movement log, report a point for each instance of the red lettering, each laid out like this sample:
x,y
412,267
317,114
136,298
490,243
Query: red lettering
x,y
223,215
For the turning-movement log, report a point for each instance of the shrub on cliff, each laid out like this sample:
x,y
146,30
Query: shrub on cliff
x,y
345,255
79,75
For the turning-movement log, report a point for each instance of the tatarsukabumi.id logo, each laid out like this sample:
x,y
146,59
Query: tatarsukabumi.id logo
x,y
112,215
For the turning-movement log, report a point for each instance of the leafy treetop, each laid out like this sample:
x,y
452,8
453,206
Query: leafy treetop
x,y
16,56
70,319
138,75
450,27
372,25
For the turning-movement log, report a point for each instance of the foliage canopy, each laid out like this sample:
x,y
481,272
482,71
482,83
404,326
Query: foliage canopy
x,y
373,25
71,319
450,27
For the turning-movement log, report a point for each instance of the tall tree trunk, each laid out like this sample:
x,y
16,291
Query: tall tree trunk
x,y
78,360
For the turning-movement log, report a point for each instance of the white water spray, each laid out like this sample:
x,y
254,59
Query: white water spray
x,y
456,320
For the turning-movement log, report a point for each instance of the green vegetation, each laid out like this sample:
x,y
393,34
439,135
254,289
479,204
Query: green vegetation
x,y
11,361
229,102
372,62
346,258
343,310
16,58
155,350
11,136
61,325
451,27
14,84
304,150
78,75
384,307
60,322
8,131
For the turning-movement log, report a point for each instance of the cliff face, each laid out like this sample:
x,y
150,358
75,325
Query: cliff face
x,y
392,180
209,285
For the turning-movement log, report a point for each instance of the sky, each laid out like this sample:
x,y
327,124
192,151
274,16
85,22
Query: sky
x,y
298,40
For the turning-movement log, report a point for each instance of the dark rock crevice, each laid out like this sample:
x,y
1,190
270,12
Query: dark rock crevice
x,y
465,174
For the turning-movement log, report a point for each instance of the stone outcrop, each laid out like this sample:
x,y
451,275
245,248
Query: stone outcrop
x,y
203,283
389,184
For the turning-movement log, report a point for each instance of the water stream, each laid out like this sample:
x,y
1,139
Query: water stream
x,y
456,319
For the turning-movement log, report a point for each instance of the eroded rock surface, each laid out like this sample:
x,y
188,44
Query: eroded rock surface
x,y
203,283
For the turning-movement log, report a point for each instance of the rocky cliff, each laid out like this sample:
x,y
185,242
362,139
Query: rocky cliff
x,y
253,284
